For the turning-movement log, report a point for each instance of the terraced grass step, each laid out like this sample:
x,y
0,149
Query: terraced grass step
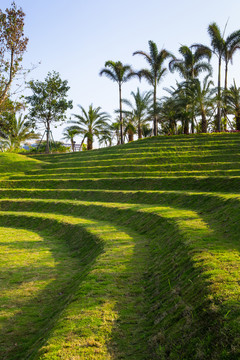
x,y
143,159
191,183
137,168
104,310
128,174
199,276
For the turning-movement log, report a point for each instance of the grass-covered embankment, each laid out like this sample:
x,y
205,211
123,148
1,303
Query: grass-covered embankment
x,y
148,236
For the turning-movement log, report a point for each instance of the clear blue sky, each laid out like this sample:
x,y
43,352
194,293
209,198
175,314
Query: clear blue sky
x,y
76,37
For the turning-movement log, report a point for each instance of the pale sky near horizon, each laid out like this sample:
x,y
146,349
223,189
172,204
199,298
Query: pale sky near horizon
x,y
76,37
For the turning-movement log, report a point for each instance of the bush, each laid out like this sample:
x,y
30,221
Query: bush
x,y
57,146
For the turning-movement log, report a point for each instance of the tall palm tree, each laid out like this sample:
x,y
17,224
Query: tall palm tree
x,y
119,73
191,65
224,50
91,123
202,93
139,108
153,75
218,47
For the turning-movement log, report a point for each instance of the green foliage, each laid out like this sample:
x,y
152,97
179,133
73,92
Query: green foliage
x,y
154,75
19,131
56,146
119,73
49,102
13,44
91,123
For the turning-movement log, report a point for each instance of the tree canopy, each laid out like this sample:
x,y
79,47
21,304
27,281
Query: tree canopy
x,y
48,103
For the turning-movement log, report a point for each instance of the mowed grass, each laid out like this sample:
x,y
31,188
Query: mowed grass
x,y
130,252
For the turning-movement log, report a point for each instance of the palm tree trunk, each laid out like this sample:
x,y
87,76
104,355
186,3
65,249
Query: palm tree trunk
x,y
130,137
219,96
139,130
238,122
155,109
224,98
89,143
121,118
204,120
226,75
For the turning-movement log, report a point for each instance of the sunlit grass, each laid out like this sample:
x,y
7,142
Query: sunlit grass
x,y
141,242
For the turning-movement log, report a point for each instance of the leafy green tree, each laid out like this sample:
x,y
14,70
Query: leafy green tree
x,y
13,44
139,108
119,73
91,123
21,131
155,60
49,102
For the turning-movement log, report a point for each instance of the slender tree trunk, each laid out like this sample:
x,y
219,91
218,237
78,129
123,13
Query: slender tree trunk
x,y
81,143
186,127
226,75
155,132
121,118
238,122
47,139
192,122
224,98
219,95
139,130
204,120
72,143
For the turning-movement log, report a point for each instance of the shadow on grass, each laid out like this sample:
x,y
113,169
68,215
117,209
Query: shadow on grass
x,y
181,318
25,332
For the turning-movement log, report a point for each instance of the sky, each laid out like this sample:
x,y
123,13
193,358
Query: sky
x,y
77,37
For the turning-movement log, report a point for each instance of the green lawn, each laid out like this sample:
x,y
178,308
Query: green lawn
x,y
129,252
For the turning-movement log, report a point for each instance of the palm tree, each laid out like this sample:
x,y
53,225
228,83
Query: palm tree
x,y
106,138
202,93
119,73
69,134
129,127
153,75
138,110
91,123
223,49
19,133
191,65
233,103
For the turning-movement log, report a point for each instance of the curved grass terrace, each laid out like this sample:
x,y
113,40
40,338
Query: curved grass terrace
x,y
134,258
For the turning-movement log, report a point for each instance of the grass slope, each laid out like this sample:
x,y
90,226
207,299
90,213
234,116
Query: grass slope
x,y
130,252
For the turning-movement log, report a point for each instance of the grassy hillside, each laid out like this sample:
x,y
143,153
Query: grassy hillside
x,y
129,252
